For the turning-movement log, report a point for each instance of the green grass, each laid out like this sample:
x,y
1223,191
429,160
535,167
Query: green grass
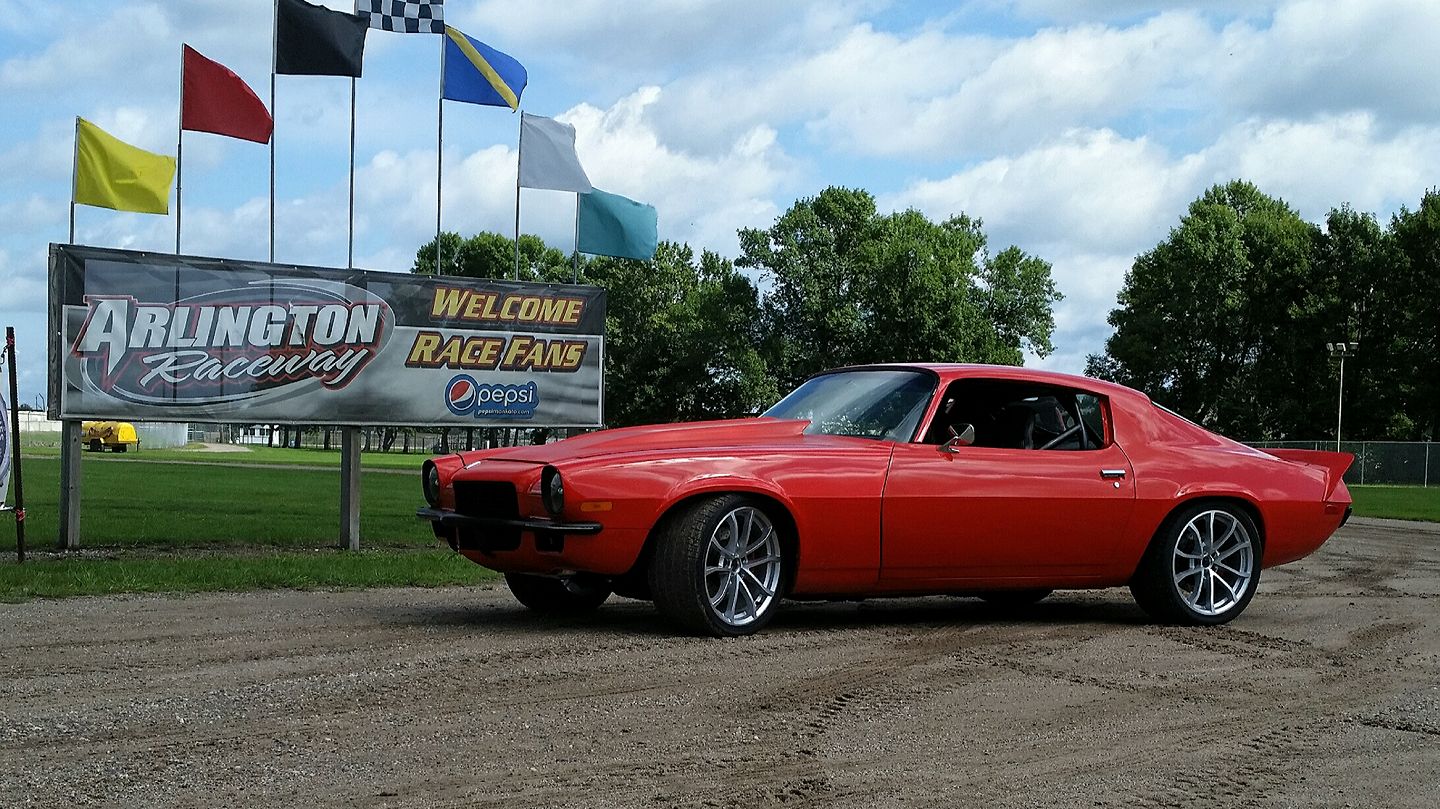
x,y
1397,502
40,447
150,525
59,577
180,505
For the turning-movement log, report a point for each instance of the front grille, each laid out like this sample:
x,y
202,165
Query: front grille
x,y
487,498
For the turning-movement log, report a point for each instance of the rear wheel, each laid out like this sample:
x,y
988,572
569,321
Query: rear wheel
x,y
718,567
559,595
1202,568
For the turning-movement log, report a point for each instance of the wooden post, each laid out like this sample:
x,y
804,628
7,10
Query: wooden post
x,y
350,488
69,485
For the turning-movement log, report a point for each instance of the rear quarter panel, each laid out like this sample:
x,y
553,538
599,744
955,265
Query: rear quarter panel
x,y
1176,463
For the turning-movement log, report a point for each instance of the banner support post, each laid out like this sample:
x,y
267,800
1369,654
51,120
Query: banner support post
x,y
69,485
14,416
350,488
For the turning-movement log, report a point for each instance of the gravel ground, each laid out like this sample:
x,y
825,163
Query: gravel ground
x,y
1325,693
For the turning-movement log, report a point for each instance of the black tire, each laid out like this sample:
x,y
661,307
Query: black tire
x,y
120,448
1011,599
1182,580
716,533
96,446
556,595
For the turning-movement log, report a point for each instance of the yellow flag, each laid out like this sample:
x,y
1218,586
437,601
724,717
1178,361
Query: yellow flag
x,y
110,173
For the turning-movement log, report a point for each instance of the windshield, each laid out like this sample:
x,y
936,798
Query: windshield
x,y
885,404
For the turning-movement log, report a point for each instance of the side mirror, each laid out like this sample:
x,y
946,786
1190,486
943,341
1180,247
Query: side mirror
x,y
961,435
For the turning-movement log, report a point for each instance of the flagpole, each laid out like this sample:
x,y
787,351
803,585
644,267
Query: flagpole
x,y
439,151
575,271
274,55
519,148
350,222
74,180
180,152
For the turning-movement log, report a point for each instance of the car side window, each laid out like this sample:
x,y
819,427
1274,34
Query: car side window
x,y
1020,415
1093,416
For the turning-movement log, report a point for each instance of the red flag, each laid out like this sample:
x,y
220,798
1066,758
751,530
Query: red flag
x,y
216,100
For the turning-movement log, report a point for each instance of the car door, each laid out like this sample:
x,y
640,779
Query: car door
x,y
975,512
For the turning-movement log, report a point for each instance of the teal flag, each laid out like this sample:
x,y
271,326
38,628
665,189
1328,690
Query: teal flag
x,y
612,225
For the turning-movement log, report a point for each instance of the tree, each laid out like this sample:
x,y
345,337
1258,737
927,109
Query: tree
x,y
853,286
490,255
1207,321
1405,310
681,338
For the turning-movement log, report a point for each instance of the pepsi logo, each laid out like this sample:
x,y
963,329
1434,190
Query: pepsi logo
x,y
460,395
466,397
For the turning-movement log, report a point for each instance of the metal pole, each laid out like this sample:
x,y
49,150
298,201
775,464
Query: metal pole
x,y
180,152
350,220
74,177
439,152
350,488
274,56
1426,484
15,450
519,151
1340,406
575,270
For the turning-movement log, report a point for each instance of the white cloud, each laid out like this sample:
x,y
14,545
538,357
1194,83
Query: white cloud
x,y
702,197
24,288
1086,191
1328,56
655,39
117,46
1316,165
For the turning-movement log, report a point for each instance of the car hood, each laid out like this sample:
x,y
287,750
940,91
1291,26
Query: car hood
x,y
694,435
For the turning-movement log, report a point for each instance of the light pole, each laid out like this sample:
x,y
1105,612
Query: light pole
x,y
1341,350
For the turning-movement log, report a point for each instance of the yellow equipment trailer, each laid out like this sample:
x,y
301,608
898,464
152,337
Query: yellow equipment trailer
x,y
119,436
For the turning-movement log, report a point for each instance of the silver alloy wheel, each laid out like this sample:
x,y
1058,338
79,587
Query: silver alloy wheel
x,y
1214,562
742,566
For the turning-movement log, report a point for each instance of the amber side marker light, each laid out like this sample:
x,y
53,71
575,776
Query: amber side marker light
x,y
596,505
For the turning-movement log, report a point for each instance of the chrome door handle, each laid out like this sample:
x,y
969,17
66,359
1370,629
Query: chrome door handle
x,y
1112,473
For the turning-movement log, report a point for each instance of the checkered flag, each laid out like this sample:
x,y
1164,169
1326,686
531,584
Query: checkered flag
x,y
405,16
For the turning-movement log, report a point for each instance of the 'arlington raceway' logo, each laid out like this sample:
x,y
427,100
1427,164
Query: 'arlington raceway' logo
x,y
466,397
231,344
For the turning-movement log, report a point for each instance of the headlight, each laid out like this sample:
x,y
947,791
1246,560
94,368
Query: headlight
x,y
430,482
552,491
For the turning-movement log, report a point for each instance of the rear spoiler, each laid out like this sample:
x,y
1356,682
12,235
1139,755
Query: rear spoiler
x,y
1334,463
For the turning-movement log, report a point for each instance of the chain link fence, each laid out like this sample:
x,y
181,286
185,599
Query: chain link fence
x,y
400,440
1398,463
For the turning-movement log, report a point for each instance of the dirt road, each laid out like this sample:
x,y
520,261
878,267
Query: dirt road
x,y
1325,693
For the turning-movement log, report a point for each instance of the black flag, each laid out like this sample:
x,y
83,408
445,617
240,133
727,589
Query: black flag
x,y
313,40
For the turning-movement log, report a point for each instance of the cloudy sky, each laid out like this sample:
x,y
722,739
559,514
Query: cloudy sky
x,y
1076,129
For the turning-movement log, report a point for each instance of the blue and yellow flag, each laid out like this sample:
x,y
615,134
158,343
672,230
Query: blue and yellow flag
x,y
478,74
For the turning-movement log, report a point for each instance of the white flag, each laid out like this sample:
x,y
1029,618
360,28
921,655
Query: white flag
x,y
547,155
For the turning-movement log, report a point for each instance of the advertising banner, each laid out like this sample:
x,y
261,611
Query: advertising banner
x,y
150,336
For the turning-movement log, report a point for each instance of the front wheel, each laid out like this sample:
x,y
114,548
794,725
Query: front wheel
x,y
1202,568
718,567
558,595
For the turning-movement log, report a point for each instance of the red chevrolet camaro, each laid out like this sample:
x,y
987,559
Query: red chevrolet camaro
x,y
999,482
